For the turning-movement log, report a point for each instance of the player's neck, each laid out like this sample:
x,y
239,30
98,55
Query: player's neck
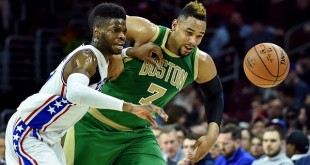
x,y
170,43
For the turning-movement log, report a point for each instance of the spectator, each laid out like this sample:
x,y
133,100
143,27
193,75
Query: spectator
x,y
245,139
291,118
168,142
273,141
177,115
297,145
258,126
230,144
215,153
275,109
304,119
256,148
303,161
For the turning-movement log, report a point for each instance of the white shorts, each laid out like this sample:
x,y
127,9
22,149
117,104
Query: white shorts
x,y
24,147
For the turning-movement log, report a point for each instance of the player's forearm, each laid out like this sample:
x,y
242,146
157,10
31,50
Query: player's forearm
x,y
213,99
79,93
213,132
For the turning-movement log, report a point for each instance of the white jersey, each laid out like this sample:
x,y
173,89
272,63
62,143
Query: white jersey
x,y
49,110
43,118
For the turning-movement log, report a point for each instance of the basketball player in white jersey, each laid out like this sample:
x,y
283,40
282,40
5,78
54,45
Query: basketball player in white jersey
x,y
34,132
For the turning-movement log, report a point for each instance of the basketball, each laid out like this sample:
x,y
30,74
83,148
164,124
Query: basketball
x,y
266,65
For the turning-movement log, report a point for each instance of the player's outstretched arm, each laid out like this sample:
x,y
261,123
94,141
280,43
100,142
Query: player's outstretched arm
x,y
212,92
77,74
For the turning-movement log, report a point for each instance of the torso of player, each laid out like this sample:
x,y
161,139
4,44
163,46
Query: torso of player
x,y
143,83
49,110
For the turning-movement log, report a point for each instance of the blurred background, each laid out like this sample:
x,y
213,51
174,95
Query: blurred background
x,y
36,35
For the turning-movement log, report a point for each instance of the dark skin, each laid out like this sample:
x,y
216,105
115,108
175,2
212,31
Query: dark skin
x,y
109,39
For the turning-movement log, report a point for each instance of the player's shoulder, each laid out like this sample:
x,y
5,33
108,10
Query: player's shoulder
x,y
203,56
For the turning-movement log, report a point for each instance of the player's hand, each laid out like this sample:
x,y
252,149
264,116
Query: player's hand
x,y
184,161
147,112
204,145
144,52
116,67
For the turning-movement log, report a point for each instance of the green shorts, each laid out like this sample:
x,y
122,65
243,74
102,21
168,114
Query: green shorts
x,y
92,142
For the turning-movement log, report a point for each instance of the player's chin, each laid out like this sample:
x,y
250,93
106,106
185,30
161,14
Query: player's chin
x,y
117,49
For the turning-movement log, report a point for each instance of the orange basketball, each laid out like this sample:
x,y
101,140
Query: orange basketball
x,y
266,65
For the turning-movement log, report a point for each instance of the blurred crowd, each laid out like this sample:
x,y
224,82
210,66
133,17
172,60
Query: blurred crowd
x,y
253,116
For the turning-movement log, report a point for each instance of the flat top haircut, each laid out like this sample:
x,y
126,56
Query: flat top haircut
x,y
233,129
194,9
105,11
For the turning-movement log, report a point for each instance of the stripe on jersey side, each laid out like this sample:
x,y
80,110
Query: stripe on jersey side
x,y
20,132
47,113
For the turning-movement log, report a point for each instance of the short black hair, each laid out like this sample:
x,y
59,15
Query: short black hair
x,y
104,11
194,9
233,129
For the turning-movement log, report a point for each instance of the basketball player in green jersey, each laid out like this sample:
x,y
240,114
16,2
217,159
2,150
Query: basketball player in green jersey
x,y
104,137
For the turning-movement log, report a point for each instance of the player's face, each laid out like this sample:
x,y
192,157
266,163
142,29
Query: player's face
x,y
227,144
112,35
272,143
188,34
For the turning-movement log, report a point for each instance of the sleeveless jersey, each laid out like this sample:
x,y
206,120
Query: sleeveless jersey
x,y
48,111
142,83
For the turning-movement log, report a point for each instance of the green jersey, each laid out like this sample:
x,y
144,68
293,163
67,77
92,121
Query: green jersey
x,y
143,83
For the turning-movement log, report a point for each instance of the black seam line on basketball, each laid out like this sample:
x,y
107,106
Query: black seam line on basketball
x,y
246,64
278,63
285,70
263,62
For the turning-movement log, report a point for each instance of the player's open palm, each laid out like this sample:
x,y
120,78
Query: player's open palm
x,y
148,112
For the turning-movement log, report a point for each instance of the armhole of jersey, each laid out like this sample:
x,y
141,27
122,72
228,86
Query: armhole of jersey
x,y
65,64
196,64
156,34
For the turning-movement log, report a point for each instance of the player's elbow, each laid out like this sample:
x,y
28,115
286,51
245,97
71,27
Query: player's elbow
x,y
73,95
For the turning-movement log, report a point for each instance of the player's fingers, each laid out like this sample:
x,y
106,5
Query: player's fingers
x,y
152,61
157,50
160,112
152,121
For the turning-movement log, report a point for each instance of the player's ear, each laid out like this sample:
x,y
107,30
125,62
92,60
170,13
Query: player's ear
x,y
174,24
96,32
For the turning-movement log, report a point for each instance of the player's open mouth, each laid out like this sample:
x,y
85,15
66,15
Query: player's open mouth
x,y
188,49
119,46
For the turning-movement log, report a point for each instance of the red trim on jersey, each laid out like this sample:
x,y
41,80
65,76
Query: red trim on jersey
x,y
58,117
47,101
62,89
22,150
